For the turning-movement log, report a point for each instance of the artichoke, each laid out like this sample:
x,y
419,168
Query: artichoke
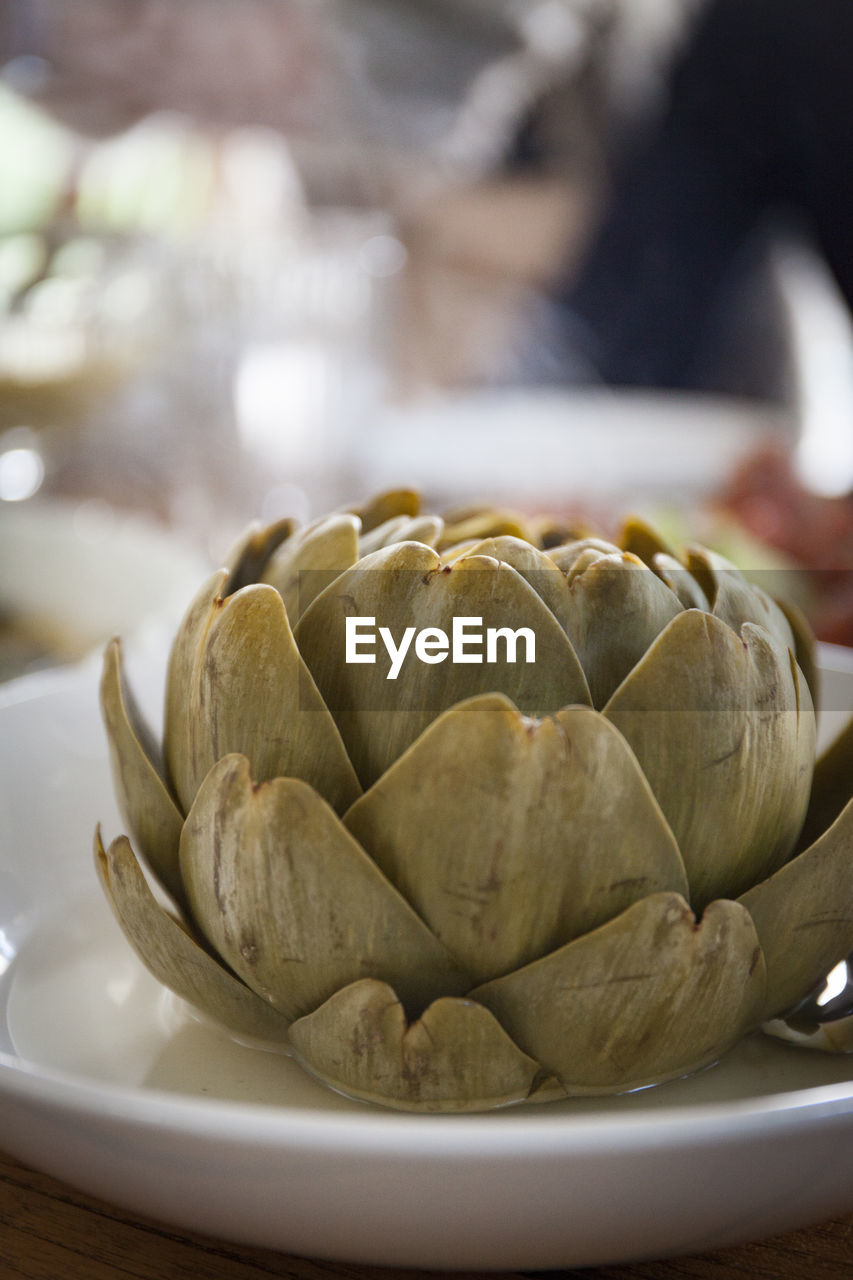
x,y
450,880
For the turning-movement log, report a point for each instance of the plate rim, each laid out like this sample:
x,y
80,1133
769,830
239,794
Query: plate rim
x,y
479,1135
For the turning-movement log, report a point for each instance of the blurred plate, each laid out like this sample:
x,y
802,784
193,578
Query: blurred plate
x,y
544,447
109,1083
74,574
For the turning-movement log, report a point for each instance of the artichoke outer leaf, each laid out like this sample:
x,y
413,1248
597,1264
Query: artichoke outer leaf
x,y
537,569
724,729
144,800
237,683
736,600
681,582
406,586
293,904
183,731
584,550
832,786
552,531
617,610
450,555
641,539
487,523
647,997
307,562
385,506
805,647
804,916
510,837
425,529
455,1057
248,558
461,512
169,952
428,529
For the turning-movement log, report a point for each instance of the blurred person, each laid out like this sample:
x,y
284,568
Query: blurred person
x,y
449,82
755,141
100,65
422,110
407,107
386,78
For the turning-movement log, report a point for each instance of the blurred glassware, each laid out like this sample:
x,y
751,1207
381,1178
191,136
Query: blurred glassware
x,y
180,334
255,273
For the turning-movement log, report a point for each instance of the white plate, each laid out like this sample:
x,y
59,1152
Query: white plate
x,y
109,1084
85,571
536,446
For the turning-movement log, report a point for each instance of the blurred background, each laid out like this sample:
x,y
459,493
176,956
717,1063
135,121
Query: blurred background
x,y
262,259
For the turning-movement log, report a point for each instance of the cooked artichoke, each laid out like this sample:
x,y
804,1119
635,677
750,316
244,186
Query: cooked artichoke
x,y
486,879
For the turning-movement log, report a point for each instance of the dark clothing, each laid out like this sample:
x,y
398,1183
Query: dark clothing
x,y
759,123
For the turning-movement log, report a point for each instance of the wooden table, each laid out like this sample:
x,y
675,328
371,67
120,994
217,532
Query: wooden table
x,y
49,1231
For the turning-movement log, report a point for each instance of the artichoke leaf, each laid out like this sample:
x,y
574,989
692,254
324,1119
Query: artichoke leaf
x,y
617,610
537,569
425,529
649,996
144,800
385,506
681,582
455,1057
293,904
587,549
307,562
510,837
184,732
639,538
459,549
461,512
237,683
247,559
724,730
832,786
405,586
486,523
734,599
804,916
805,646
552,531
167,950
